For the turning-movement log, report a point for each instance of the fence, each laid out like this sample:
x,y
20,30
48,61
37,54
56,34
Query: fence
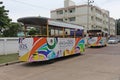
x,y
8,45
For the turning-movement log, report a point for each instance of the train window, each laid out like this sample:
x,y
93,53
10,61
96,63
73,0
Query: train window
x,y
55,31
67,32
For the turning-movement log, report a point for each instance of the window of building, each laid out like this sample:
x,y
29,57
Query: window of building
x,y
72,19
98,19
65,11
92,17
66,19
60,12
92,26
104,22
60,19
98,11
72,10
91,8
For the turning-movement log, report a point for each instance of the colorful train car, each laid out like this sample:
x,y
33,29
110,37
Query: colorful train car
x,y
46,39
96,38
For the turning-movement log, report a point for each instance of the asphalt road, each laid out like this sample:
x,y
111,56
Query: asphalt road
x,y
95,64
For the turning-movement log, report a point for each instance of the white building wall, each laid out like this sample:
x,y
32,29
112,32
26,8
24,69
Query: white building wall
x,y
81,19
98,18
53,15
80,10
112,26
68,3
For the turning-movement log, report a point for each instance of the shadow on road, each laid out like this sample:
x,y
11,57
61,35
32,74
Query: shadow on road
x,y
97,47
43,63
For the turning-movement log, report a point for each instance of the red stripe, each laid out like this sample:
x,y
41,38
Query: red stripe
x,y
37,45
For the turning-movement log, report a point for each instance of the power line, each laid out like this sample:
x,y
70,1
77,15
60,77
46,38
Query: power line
x,y
31,5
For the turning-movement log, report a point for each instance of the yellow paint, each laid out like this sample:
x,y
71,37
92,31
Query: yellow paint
x,y
69,52
36,57
41,57
24,57
72,51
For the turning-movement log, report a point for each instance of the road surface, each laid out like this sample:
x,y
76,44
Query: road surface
x,y
95,64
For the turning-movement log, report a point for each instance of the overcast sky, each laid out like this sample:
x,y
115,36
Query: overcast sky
x,y
23,8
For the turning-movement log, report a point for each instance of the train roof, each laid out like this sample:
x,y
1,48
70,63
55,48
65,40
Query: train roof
x,y
33,20
44,21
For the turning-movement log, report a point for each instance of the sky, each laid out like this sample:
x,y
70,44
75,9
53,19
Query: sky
x,y
24,8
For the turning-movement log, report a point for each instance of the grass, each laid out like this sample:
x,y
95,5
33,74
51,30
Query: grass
x,y
8,58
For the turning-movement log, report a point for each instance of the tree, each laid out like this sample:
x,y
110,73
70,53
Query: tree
x,y
118,26
4,19
33,31
12,30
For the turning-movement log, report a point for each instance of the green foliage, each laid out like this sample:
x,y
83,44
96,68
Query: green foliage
x,y
4,19
33,31
7,28
118,26
12,30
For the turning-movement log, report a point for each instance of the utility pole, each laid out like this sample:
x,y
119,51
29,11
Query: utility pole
x,y
88,4
109,25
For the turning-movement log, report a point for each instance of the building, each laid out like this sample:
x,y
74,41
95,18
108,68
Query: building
x,y
89,16
112,26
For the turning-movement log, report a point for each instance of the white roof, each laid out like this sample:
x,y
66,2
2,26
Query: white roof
x,y
63,24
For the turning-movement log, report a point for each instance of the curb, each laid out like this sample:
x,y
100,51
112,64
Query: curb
x,y
9,63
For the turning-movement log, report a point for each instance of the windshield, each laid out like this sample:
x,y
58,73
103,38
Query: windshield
x,y
112,38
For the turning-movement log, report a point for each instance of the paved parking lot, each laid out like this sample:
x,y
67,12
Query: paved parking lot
x,y
95,64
